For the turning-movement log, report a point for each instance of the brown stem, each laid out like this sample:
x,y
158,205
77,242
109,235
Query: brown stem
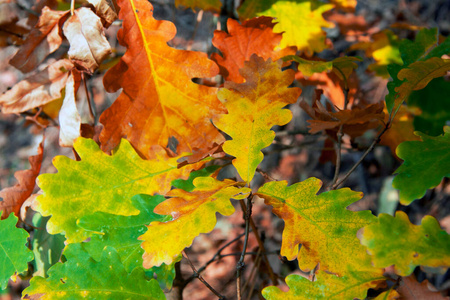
x,y
91,104
200,277
241,264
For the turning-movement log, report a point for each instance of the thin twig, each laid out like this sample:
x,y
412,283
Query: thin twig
x,y
241,264
197,22
218,255
200,277
72,7
265,175
272,275
337,184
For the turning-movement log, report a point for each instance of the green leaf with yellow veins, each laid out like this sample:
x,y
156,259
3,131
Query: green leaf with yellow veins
x,y
326,286
425,163
395,241
101,183
193,213
254,107
14,254
300,20
321,223
82,277
122,232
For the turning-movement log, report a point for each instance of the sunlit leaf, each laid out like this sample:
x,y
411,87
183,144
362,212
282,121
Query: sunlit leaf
x,y
291,16
193,213
395,241
254,107
159,99
101,183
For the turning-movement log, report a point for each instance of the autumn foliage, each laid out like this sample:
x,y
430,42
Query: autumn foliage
x,y
183,145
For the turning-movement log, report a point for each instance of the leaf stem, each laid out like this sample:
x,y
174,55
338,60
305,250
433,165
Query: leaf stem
x,y
91,104
200,277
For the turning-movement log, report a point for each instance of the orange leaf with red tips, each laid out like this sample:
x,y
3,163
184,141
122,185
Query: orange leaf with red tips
x,y
254,36
44,39
159,99
15,196
37,89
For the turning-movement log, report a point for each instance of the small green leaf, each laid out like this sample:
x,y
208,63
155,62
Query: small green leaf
x,y
82,277
425,163
188,184
14,255
395,241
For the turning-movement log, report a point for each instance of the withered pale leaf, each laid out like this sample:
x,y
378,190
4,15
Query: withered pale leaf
x,y
69,118
88,44
106,10
37,89
44,39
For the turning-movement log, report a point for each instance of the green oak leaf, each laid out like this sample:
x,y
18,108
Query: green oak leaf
x,y
14,254
425,163
395,241
326,286
103,183
188,184
122,232
82,277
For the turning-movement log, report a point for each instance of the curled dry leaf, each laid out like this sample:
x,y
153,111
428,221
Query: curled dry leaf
x,y
44,39
254,36
106,10
15,196
37,89
69,118
411,289
88,44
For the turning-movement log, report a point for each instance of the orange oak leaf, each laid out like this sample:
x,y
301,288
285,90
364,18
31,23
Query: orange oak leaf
x,y
355,121
159,99
193,213
15,196
37,89
254,36
69,118
88,44
44,39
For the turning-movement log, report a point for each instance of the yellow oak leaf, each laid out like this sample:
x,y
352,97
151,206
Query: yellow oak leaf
x,y
321,224
253,108
193,213
300,20
102,183
159,100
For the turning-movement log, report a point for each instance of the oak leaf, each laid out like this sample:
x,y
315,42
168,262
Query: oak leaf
x,y
291,15
193,213
159,99
43,40
425,163
254,107
254,36
346,5
14,197
209,5
321,224
37,89
395,241
88,44
326,286
102,183
14,254
81,276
